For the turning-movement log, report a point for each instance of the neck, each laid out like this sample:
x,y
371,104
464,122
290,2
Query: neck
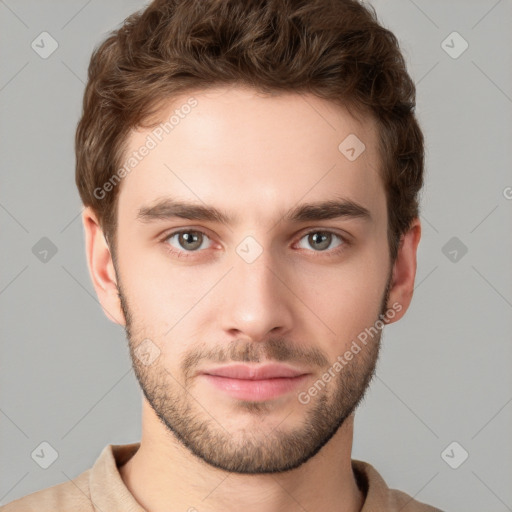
x,y
163,475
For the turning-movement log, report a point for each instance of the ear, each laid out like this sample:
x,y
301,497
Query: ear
x,y
101,268
404,271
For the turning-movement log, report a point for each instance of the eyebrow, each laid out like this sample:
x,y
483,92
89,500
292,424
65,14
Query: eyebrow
x,y
169,208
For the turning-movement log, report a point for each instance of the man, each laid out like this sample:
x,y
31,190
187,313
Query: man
x,y
250,171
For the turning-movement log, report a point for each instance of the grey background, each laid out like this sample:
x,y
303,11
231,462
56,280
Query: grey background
x,y
444,373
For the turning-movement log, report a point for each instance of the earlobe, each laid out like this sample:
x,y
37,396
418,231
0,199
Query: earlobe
x,y
404,270
101,267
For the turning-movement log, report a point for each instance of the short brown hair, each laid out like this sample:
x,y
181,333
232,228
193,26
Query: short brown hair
x,y
334,49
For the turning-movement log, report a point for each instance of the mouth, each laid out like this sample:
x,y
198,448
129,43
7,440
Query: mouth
x,y
255,383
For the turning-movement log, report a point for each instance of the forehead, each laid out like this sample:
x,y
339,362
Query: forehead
x,y
253,154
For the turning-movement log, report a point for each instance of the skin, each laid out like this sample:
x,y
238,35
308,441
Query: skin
x,y
255,157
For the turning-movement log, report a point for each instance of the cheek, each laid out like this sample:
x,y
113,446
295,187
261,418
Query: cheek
x,y
164,296
347,297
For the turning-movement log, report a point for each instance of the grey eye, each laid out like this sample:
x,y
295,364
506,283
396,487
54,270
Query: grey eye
x,y
188,240
320,240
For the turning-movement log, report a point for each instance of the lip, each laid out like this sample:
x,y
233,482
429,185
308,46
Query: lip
x,y
259,372
255,383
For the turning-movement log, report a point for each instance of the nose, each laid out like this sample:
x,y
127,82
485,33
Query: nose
x,y
257,300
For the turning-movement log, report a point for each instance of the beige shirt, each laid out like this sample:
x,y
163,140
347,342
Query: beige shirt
x,y
101,489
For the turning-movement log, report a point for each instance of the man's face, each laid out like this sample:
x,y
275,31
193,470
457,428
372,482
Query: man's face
x,y
263,288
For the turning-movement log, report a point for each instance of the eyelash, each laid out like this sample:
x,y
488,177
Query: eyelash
x,y
187,254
